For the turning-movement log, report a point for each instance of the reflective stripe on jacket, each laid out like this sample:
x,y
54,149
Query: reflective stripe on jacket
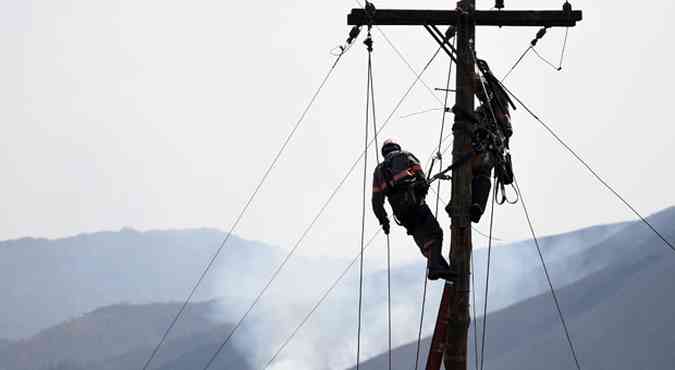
x,y
396,168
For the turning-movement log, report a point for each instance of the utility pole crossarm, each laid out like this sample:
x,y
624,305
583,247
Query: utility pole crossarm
x,y
523,18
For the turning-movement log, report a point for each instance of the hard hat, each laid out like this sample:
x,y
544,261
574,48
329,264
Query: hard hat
x,y
389,145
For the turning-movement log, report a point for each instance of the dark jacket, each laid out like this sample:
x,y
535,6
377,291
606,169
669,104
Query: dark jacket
x,y
484,116
401,179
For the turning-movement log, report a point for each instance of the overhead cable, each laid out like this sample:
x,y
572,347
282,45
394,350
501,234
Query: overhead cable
x,y
532,47
369,44
548,278
320,301
591,170
487,281
438,197
319,214
377,159
243,211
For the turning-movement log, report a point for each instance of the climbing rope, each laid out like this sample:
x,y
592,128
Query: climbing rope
x,y
548,278
369,44
243,211
370,104
439,156
377,158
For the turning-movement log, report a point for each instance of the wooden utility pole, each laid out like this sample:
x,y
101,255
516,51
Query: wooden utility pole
x,y
455,348
449,342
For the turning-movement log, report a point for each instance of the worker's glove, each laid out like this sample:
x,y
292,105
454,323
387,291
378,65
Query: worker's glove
x,y
386,227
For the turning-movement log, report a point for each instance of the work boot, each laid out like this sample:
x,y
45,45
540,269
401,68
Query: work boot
x,y
445,274
438,267
476,211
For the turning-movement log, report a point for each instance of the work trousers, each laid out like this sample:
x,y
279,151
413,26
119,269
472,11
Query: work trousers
x,y
480,185
424,228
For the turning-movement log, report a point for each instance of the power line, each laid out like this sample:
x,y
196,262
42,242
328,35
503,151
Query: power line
x,y
363,203
473,306
320,302
407,63
562,53
403,58
243,212
441,139
475,229
520,59
419,113
419,335
548,277
377,159
532,48
319,214
543,59
590,169
487,281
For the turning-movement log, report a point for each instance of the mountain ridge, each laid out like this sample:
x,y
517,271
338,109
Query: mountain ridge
x,y
608,311
112,335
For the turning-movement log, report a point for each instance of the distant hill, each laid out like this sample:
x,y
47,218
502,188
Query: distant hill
x,y
79,274
186,352
4,343
105,333
620,317
122,337
591,267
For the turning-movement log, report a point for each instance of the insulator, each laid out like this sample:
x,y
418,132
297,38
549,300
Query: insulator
x,y
370,8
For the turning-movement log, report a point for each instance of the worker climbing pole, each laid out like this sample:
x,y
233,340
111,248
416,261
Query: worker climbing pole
x,y
449,342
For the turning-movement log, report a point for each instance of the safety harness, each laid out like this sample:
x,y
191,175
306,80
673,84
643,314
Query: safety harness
x,y
487,138
407,188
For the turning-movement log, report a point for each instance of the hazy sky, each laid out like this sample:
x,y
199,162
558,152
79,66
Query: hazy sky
x,y
164,114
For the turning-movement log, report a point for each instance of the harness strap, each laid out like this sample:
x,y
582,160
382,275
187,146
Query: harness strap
x,y
460,162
